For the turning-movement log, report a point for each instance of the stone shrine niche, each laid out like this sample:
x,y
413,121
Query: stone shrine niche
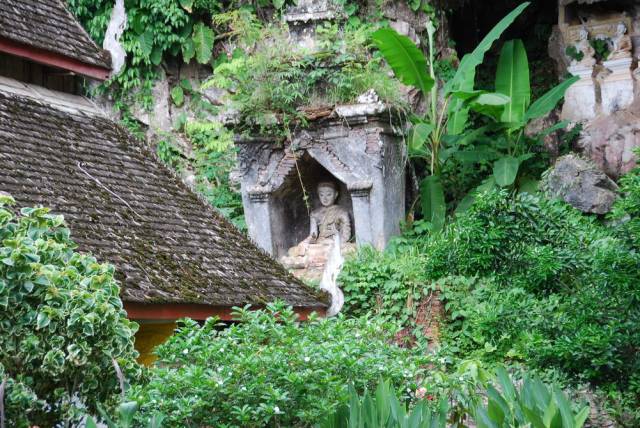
x,y
358,150
607,85
290,223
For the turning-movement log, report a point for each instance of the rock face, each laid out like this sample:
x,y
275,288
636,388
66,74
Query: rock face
x,y
581,184
610,140
551,141
116,27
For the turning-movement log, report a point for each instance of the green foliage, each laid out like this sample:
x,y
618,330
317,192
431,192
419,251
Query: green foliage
x,y
626,211
573,53
405,59
62,325
212,160
559,290
601,46
156,29
388,284
512,80
533,405
384,410
429,137
270,370
509,404
269,84
126,413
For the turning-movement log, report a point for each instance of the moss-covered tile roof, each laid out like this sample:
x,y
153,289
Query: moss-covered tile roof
x,y
48,25
126,208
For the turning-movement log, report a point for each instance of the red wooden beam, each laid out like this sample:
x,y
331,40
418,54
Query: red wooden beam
x,y
174,311
53,59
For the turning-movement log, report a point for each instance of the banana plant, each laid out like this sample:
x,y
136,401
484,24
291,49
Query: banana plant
x,y
448,106
512,80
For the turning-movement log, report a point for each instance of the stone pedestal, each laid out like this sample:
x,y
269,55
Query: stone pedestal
x,y
580,98
617,87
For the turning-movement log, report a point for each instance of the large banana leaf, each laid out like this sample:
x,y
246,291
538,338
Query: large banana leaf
x,y
490,104
548,101
465,76
458,113
505,170
512,80
471,61
433,205
419,136
406,60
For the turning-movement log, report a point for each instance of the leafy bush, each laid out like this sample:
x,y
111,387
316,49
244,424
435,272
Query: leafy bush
x,y
626,211
62,325
390,284
532,404
270,370
560,289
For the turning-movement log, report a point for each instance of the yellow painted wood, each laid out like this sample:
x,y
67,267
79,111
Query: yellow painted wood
x,y
149,336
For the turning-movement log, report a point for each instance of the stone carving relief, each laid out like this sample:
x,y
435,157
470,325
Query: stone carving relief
x,y
584,47
621,45
605,87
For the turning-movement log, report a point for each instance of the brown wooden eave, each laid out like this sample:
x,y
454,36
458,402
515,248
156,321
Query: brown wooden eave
x,y
53,59
174,311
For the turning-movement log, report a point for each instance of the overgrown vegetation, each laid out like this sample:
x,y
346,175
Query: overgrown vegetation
x,y
63,332
270,369
531,404
444,131
273,88
524,280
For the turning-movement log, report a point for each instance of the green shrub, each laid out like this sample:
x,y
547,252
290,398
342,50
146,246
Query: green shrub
x,y
389,284
268,84
62,324
270,370
626,211
557,289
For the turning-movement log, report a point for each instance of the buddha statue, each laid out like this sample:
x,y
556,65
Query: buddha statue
x,y
621,45
327,221
588,53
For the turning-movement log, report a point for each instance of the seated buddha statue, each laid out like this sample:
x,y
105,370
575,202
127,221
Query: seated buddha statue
x,y
621,45
327,221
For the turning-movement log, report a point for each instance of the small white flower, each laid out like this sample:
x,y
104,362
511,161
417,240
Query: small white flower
x,y
185,352
276,410
244,388
307,359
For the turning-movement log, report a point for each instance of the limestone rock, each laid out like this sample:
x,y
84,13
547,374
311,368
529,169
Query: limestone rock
x,y
610,141
552,141
581,184
116,27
